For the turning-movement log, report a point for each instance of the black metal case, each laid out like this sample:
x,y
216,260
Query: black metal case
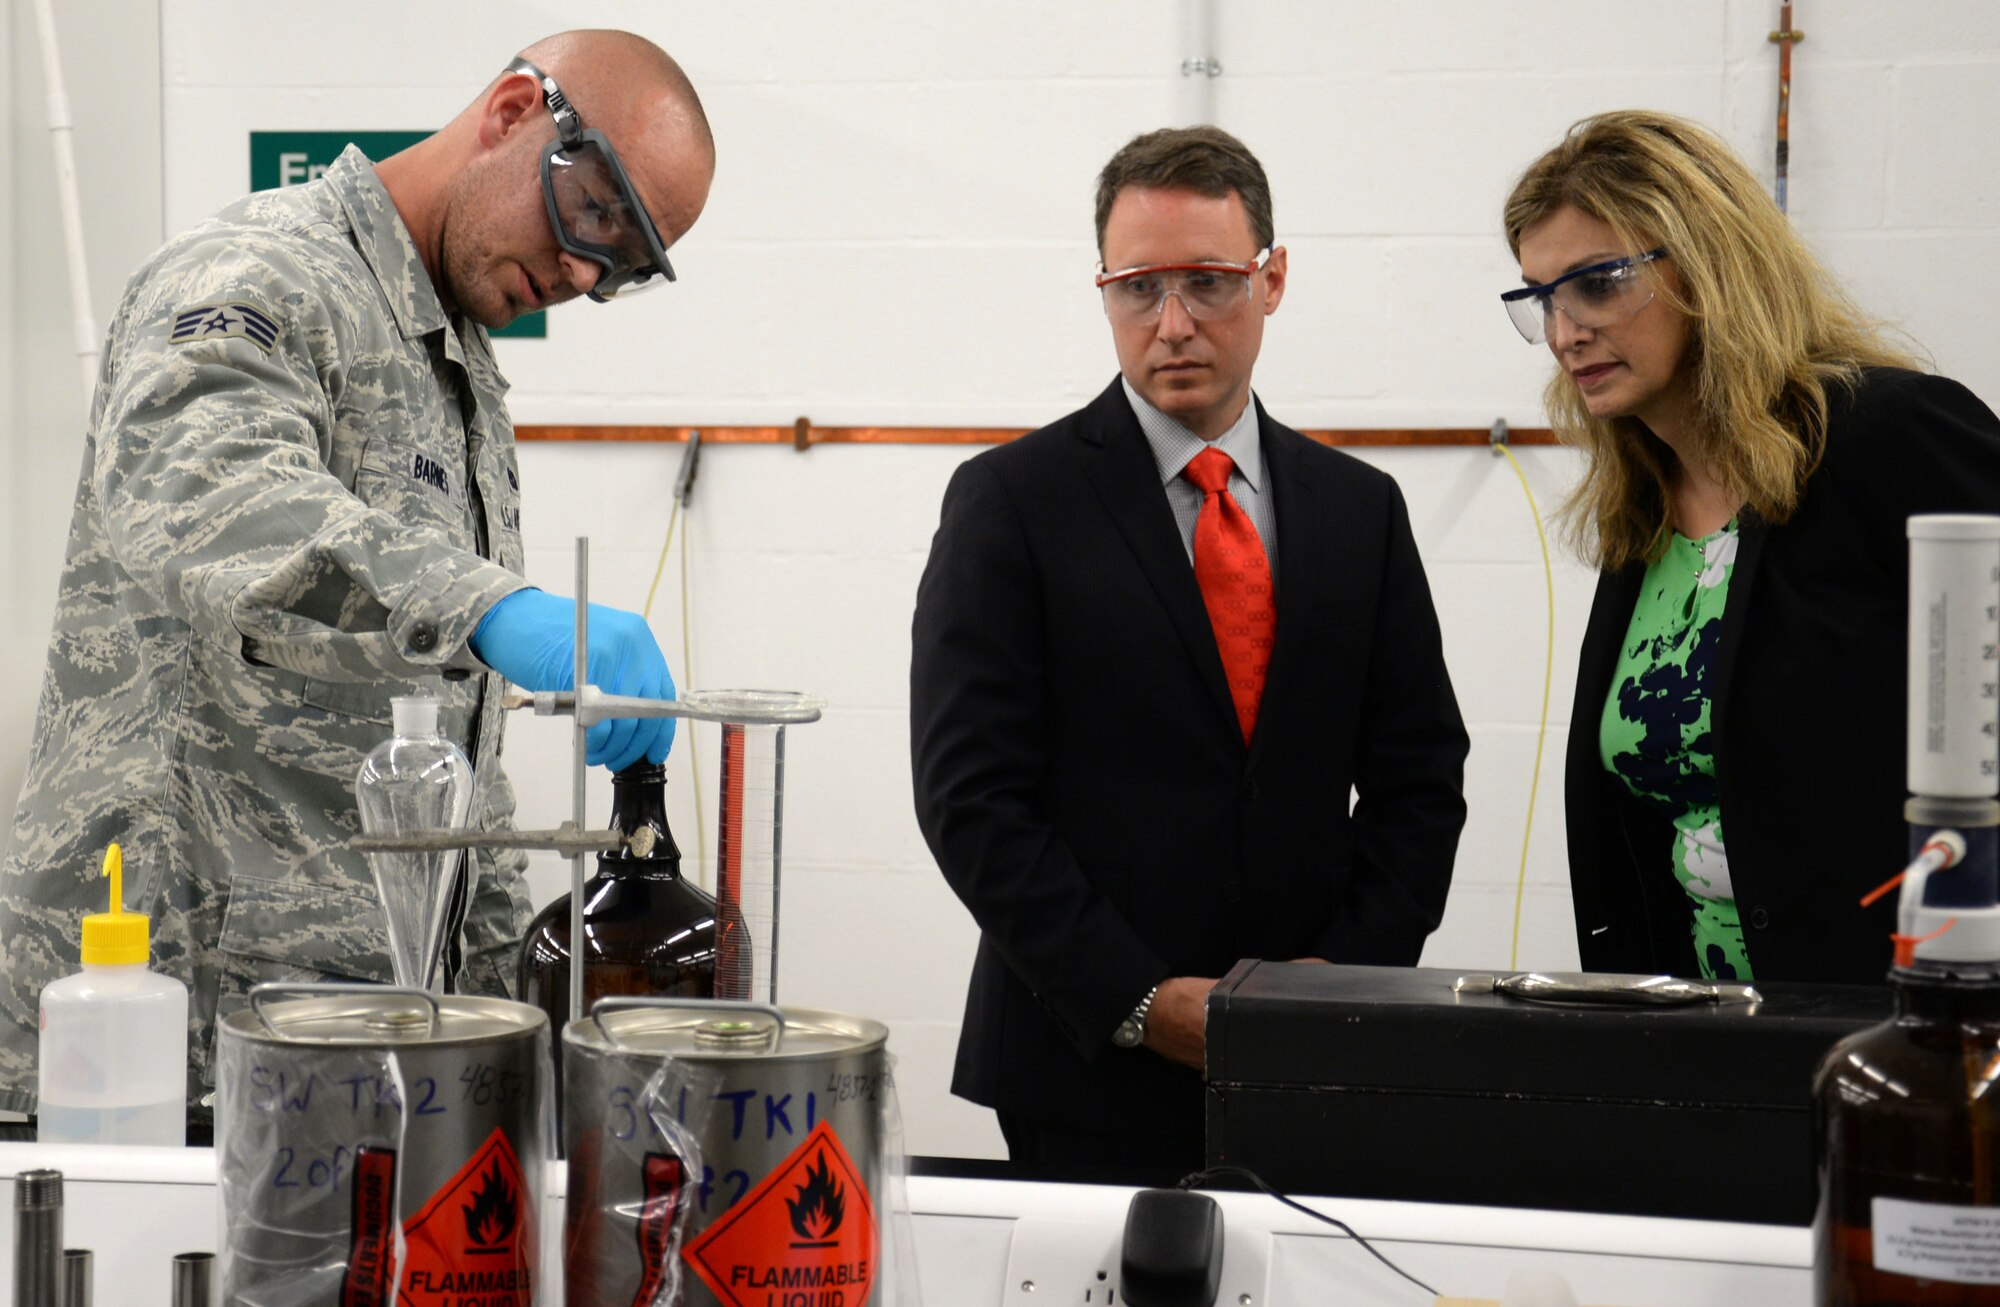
x,y
1381,1082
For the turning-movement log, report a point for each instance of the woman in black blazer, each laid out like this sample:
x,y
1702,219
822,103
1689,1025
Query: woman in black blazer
x,y
1752,448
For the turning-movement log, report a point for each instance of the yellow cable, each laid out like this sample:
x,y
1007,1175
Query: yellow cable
x,y
1542,734
666,547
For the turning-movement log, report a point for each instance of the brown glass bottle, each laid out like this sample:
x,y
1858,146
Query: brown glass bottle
x,y
1909,1112
647,931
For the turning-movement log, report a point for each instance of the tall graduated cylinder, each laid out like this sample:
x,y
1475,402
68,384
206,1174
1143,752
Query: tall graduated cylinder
x,y
749,847
788,1108
379,1146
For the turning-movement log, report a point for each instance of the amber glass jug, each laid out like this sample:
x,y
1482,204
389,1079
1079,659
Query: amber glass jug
x,y
648,932
1909,1161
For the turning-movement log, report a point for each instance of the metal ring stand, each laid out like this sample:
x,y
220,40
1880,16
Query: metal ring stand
x,y
588,707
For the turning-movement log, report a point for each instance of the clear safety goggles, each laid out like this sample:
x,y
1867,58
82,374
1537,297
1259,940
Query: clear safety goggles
x,y
1601,295
594,209
1207,291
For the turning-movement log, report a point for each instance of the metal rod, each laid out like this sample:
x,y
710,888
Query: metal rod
x,y
770,994
579,747
194,1280
565,840
38,1238
1786,36
76,1277
728,707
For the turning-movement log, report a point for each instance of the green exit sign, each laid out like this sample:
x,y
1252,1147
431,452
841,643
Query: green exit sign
x,y
293,158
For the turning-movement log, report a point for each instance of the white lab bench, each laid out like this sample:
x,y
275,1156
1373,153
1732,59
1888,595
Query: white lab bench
x,y
1003,1243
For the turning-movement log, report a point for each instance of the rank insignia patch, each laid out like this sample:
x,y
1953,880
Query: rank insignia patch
x,y
217,321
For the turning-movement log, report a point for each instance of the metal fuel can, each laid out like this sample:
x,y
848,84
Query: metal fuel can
x,y
381,1147
788,1114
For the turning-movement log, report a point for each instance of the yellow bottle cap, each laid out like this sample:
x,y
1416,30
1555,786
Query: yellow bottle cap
x,y
116,938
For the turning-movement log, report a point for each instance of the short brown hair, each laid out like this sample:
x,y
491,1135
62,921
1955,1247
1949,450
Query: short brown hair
x,y
1205,160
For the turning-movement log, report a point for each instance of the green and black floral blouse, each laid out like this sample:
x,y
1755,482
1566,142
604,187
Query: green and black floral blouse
x,y
1656,736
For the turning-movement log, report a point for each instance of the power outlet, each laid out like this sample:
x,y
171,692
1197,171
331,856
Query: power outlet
x,y
1055,1263
1067,1255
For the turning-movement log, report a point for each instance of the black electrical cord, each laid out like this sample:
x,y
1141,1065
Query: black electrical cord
x,y
1199,1178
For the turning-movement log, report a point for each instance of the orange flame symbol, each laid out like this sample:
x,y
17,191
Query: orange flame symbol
x,y
490,1216
816,1212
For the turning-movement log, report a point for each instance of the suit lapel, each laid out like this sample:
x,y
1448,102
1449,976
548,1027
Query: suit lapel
x,y
1604,641
1596,662
1127,480
1302,552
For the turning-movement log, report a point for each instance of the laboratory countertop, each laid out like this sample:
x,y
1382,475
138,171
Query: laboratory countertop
x,y
985,1242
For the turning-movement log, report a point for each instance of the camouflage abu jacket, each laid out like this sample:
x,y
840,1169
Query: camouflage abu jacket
x,y
296,472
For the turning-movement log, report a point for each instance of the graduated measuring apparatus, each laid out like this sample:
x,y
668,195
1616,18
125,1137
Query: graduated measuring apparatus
x,y
752,791
1954,719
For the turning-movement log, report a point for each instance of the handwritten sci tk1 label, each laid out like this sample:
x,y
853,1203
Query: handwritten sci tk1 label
x,y
1936,1241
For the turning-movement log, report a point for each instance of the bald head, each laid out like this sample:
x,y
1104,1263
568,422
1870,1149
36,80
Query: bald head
x,y
614,72
633,91
472,197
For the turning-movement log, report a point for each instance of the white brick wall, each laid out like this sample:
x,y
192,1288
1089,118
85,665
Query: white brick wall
x,y
112,78
899,234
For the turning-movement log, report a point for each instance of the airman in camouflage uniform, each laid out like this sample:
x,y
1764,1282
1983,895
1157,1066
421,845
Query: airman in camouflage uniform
x,y
298,499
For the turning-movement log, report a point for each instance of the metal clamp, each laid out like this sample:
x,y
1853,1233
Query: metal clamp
x,y
259,992
732,707
565,839
615,1003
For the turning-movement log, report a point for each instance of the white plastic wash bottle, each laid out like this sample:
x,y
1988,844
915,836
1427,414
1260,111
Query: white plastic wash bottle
x,y
113,1066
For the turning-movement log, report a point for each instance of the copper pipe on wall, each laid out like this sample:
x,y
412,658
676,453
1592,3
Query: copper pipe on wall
x,y
802,434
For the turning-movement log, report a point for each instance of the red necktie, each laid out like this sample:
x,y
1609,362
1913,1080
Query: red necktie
x,y
1235,578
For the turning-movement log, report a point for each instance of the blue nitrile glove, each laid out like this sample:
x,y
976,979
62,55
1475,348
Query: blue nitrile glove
x,y
530,638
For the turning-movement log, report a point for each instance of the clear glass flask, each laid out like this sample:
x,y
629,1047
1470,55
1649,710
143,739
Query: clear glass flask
x,y
416,780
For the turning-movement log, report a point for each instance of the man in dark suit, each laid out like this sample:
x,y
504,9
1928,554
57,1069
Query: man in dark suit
x,y
1158,646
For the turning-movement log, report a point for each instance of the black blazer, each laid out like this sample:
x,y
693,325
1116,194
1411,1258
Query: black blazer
x,y
1808,705
1081,778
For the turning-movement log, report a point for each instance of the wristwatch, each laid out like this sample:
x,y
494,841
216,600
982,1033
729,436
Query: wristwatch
x,y
1131,1031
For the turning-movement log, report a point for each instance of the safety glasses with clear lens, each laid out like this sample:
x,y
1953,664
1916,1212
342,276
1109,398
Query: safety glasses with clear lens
x,y
1601,295
1207,291
594,209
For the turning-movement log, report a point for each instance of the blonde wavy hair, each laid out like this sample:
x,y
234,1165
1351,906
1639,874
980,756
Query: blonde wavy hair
x,y
1770,330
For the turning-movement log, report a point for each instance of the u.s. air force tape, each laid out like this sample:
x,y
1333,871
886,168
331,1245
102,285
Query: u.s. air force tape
x,y
219,321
